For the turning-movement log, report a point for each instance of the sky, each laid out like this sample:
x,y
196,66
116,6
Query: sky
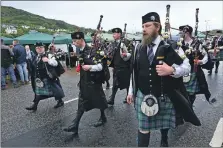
x,y
117,13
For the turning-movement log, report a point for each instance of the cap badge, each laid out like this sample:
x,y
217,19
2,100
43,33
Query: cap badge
x,y
78,35
116,30
152,18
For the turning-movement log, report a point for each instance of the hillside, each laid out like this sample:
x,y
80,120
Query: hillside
x,y
18,17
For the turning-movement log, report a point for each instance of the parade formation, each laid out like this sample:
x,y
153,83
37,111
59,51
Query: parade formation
x,y
161,77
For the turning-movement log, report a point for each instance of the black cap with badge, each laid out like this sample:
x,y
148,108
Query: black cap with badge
x,y
218,31
186,28
38,44
116,30
151,17
77,35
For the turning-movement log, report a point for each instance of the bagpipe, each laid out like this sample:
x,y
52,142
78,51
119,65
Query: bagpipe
x,y
97,45
215,53
167,33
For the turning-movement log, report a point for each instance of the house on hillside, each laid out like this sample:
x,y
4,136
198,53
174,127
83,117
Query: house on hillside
x,y
33,31
41,27
26,27
51,29
4,26
11,30
61,30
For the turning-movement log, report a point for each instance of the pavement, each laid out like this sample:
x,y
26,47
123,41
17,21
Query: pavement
x,y
43,128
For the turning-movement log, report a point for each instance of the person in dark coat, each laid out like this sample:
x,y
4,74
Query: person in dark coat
x,y
44,78
91,93
216,43
106,69
195,82
120,62
165,100
7,65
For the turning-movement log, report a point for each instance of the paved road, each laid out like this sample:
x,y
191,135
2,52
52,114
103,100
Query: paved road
x,y
43,128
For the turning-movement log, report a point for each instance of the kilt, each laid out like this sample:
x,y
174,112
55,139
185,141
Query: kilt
x,y
165,118
46,90
192,86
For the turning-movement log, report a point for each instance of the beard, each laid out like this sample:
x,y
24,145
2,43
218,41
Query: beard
x,y
147,39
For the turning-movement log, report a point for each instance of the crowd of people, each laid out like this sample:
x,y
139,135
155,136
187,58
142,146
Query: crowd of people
x,y
161,79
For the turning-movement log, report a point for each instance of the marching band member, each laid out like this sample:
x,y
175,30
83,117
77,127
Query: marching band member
x,y
120,62
44,78
157,105
107,73
217,43
91,93
195,82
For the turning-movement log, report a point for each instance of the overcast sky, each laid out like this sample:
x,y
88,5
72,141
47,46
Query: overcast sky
x,y
117,13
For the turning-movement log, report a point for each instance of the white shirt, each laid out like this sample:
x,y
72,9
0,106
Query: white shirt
x,y
74,48
181,70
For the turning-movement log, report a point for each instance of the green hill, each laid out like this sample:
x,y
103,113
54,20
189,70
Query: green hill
x,y
18,17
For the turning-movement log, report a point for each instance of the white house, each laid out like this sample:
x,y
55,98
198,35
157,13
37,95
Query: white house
x,y
41,27
26,27
11,30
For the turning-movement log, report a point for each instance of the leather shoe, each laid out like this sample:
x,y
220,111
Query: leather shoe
x,y
101,122
59,104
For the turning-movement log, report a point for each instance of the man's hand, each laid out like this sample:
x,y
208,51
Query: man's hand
x,y
164,70
45,59
129,99
199,62
86,67
124,54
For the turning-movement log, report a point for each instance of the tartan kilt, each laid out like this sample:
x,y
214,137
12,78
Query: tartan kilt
x,y
45,90
165,118
218,57
192,86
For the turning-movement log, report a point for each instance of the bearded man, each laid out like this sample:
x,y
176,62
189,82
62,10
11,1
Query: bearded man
x,y
157,90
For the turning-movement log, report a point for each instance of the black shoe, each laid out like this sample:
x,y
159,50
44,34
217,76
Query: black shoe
x,y
164,142
75,123
16,86
33,107
59,104
3,88
101,121
72,128
125,101
216,71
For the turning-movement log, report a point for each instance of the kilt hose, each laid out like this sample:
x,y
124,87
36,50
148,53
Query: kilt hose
x,y
192,86
164,119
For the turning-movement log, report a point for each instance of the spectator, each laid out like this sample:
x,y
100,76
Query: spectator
x,y
29,56
7,65
73,57
20,60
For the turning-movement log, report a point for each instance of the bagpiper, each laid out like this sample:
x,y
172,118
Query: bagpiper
x,y
106,69
45,72
91,93
215,47
195,82
157,87
120,62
